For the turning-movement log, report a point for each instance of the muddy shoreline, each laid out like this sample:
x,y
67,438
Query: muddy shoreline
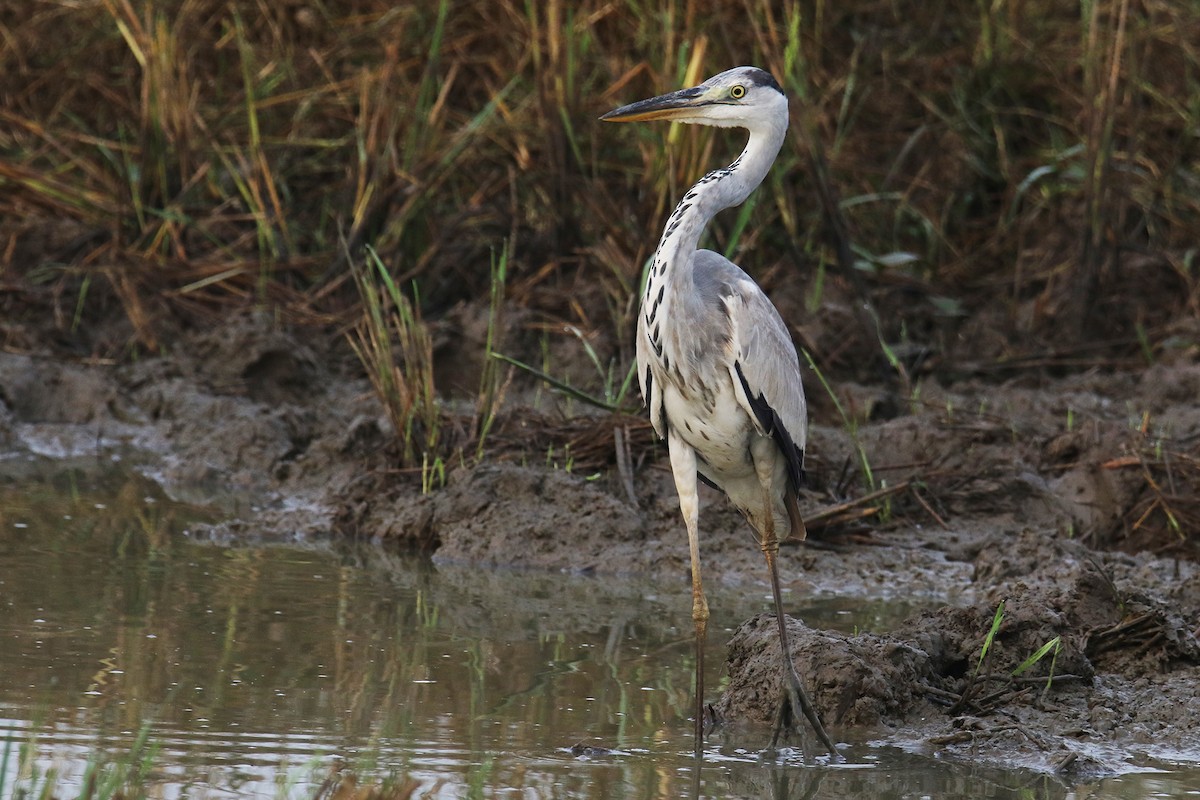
x,y
1032,492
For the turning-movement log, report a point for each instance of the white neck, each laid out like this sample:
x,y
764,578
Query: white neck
x,y
716,191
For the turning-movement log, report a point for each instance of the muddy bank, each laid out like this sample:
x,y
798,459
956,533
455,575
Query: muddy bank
x,y
1039,493
1118,690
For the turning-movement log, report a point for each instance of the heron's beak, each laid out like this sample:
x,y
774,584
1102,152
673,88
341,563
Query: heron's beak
x,y
665,106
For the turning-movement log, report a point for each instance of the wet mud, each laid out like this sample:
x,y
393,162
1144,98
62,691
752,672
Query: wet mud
x,y
1067,500
1118,690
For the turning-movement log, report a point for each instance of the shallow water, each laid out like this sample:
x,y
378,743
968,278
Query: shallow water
x,y
255,670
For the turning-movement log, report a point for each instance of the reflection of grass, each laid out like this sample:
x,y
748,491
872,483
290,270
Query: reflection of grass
x,y
105,777
366,653
384,642
135,774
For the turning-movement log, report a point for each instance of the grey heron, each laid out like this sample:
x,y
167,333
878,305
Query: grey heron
x,y
716,363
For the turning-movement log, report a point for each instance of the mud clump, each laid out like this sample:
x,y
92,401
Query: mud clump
x,y
863,680
493,512
928,682
505,514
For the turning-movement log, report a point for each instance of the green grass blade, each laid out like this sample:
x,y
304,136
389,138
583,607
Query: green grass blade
x,y
987,640
563,386
1038,655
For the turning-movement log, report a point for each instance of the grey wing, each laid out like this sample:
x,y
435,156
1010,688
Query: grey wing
x,y
765,369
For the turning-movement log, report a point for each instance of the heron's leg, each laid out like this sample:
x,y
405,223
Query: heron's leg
x,y
683,467
795,698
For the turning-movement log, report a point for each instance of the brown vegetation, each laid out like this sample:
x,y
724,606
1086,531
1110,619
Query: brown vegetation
x,y
1002,186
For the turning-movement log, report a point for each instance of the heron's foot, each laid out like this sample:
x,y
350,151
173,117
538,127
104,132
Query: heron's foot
x,y
784,721
793,706
712,720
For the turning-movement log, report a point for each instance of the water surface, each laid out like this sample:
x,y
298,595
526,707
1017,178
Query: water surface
x,y
128,640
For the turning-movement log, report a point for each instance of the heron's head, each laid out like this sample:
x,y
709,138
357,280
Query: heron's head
x,y
742,97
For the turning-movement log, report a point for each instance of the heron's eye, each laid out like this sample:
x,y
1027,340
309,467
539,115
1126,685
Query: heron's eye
x,y
737,92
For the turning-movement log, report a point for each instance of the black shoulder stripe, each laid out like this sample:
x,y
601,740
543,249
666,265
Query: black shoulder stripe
x,y
648,394
655,413
769,419
762,410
